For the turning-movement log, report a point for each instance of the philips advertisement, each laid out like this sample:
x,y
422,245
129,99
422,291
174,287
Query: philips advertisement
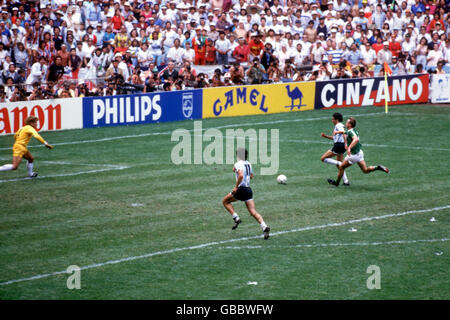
x,y
371,91
142,108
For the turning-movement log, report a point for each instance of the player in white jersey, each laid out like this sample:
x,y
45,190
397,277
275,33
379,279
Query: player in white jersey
x,y
340,144
243,192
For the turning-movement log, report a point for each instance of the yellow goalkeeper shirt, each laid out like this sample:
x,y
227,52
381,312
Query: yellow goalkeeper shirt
x,y
24,134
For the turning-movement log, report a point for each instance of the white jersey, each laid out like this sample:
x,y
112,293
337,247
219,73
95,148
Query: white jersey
x,y
339,138
247,171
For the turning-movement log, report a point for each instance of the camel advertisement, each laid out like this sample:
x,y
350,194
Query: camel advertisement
x,y
258,99
371,91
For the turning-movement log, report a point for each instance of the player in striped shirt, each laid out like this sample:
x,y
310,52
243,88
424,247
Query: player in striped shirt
x,y
354,154
340,144
21,139
243,192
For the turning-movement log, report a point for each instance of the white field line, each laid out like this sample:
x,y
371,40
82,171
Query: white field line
x,y
209,244
80,164
338,244
330,143
219,127
109,168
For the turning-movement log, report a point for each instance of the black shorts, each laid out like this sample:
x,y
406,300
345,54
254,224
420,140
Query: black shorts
x,y
243,194
338,148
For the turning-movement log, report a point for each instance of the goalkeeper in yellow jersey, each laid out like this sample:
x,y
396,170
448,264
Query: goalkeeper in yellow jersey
x,y
21,139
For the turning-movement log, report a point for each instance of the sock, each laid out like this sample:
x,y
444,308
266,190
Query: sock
x,y
263,225
6,167
235,216
344,177
332,161
30,168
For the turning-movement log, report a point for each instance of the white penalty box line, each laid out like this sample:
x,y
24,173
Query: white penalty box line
x,y
246,124
338,244
103,168
223,242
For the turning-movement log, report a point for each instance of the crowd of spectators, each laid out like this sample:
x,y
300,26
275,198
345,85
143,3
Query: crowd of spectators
x,y
77,48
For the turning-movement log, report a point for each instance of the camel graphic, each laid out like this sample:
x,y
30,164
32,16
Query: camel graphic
x,y
294,95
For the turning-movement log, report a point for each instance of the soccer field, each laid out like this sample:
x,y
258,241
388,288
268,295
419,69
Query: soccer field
x,y
110,201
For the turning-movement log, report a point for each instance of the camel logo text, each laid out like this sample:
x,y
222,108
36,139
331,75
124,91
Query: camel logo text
x,y
371,91
237,96
295,94
258,99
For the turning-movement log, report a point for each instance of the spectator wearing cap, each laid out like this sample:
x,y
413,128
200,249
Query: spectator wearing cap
x,y
223,24
64,54
408,46
199,43
322,27
353,55
419,18
317,52
394,45
417,6
211,51
213,34
241,52
369,56
384,55
361,20
436,21
297,27
127,10
114,71
256,47
16,36
98,34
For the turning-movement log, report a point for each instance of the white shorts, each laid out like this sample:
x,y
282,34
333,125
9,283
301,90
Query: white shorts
x,y
355,158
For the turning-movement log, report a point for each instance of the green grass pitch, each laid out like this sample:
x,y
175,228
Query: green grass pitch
x,y
141,227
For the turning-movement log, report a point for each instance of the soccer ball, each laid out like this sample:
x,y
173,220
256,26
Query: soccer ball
x,y
281,179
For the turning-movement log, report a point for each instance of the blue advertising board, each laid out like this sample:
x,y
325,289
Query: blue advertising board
x,y
142,108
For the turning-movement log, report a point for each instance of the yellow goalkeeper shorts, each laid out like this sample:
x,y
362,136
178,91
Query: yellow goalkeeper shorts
x,y
19,150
